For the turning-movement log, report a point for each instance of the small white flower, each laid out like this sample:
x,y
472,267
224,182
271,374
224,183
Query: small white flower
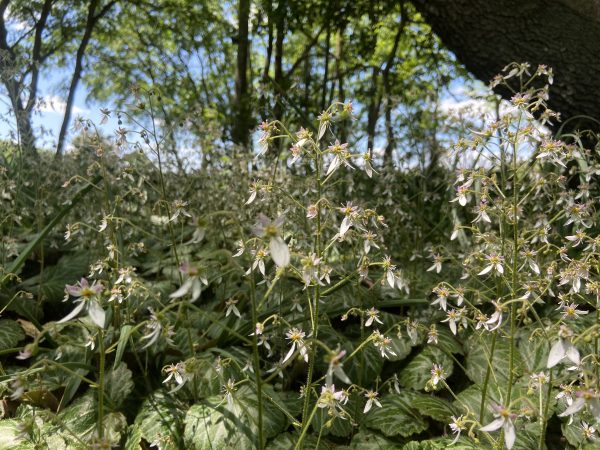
x,y
231,308
296,336
505,421
437,264
371,400
495,264
437,374
373,316
563,348
457,425
178,373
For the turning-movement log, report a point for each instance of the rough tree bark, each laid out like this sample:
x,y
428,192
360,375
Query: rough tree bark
x,y
563,34
243,118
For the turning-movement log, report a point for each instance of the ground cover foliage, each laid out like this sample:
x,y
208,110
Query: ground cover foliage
x,y
306,297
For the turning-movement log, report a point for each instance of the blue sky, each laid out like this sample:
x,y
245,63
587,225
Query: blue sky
x,y
51,106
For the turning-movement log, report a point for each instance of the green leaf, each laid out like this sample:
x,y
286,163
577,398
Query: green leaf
x,y
118,384
134,437
159,420
218,424
441,444
534,352
366,365
10,334
447,342
401,347
123,339
287,441
418,371
372,441
16,265
80,417
396,417
478,354
51,282
434,407
9,432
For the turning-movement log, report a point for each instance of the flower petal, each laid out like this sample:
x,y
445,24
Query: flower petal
x,y
73,313
493,426
509,434
184,289
557,353
96,313
279,251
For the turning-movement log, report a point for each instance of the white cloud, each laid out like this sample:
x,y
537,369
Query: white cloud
x,y
55,104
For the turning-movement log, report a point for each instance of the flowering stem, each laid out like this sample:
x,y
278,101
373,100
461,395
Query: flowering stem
x,y
256,363
101,384
486,380
514,287
315,308
544,417
305,428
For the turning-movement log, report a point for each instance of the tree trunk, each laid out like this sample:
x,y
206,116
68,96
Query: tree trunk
x,y
563,34
242,121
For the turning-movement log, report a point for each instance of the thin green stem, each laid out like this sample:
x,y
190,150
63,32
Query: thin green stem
x,y
101,369
256,363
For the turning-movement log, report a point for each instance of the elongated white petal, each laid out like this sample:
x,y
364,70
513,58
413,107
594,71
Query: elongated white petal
x,y
279,251
493,426
574,408
509,434
339,372
196,289
335,163
73,313
571,352
96,313
557,353
486,270
184,289
289,354
391,279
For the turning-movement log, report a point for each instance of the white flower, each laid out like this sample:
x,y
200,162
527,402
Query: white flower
x,y
588,431
437,264
462,193
272,230
373,316
589,397
332,399
350,215
457,425
192,283
563,348
85,295
336,368
454,317
231,308
437,374
371,400
341,156
296,336
495,264
505,421
178,373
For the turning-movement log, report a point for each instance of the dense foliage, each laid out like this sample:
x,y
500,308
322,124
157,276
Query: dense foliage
x,y
307,297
